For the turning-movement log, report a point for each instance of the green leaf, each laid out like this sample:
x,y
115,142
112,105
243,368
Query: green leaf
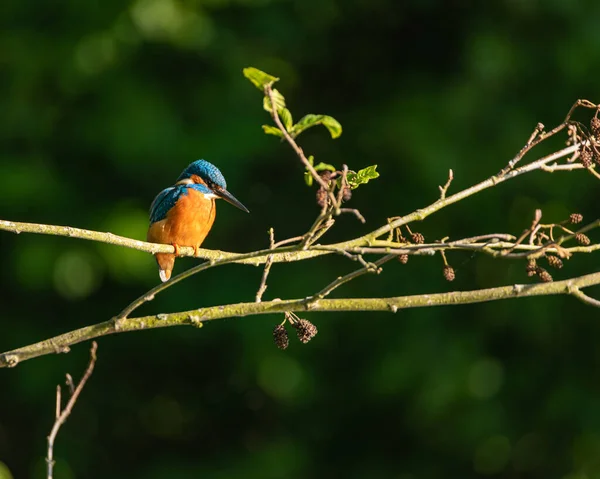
x,y
277,98
324,166
286,118
271,130
259,78
308,121
308,178
362,176
311,160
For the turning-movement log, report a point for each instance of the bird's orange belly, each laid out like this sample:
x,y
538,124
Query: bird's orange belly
x,y
187,223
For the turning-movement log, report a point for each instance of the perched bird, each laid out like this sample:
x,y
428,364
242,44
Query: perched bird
x,y
183,214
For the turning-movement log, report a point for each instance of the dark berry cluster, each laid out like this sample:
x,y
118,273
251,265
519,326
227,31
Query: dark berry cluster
x,y
305,330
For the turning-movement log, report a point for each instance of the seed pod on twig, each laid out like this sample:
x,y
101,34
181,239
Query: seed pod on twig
x,y
280,336
449,274
531,267
305,330
596,155
403,258
575,218
346,193
544,275
595,126
582,239
418,238
586,156
321,197
554,261
326,175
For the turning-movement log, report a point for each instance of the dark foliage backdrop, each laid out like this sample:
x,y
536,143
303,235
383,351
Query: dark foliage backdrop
x,y
104,103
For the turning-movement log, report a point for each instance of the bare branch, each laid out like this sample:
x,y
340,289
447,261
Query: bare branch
x,y
349,277
199,316
263,282
423,213
355,212
62,415
444,189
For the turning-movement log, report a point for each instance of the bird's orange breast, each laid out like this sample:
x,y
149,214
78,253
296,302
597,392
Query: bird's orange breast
x,y
187,223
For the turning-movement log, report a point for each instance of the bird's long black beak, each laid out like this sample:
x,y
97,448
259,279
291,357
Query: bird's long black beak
x,y
231,199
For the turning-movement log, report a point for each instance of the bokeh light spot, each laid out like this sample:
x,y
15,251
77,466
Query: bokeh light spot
x,y
124,263
76,275
5,472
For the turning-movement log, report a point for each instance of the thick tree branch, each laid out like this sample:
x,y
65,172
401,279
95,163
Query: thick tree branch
x,y
256,258
199,316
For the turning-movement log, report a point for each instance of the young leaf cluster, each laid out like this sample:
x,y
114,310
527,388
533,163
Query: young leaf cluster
x,y
262,81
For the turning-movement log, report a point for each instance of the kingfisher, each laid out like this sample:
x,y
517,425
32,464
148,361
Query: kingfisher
x,y
183,214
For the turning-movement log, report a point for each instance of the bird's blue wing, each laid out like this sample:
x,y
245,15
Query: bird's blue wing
x,y
163,202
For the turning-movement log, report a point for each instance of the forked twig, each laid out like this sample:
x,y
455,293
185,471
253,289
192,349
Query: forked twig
x,y
62,415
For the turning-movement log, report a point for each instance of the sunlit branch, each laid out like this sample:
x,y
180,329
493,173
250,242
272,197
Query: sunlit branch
x,y
200,316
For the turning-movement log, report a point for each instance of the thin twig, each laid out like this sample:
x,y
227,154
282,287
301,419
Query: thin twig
x,y
292,142
556,167
287,241
349,277
444,189
530,144
355,212
61,416
343,185
263,282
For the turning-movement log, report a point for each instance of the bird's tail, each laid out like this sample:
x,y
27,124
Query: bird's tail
x,y
165,264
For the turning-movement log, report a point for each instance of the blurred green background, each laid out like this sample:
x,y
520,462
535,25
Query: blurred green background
x,y
104,103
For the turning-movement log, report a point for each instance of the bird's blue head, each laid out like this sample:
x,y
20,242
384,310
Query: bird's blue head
x,y
203,172
207,178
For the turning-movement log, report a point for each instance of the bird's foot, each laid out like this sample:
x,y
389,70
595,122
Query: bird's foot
x,y
196,250
176,246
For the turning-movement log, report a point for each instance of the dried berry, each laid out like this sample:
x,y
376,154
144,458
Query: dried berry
x,y
582,239
346,193
575,218
305,330
595,126
554,261
280,336
586,156
418,238
403,258
544,275
596,154
449,273
402,239
321,197
531,267
325,175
